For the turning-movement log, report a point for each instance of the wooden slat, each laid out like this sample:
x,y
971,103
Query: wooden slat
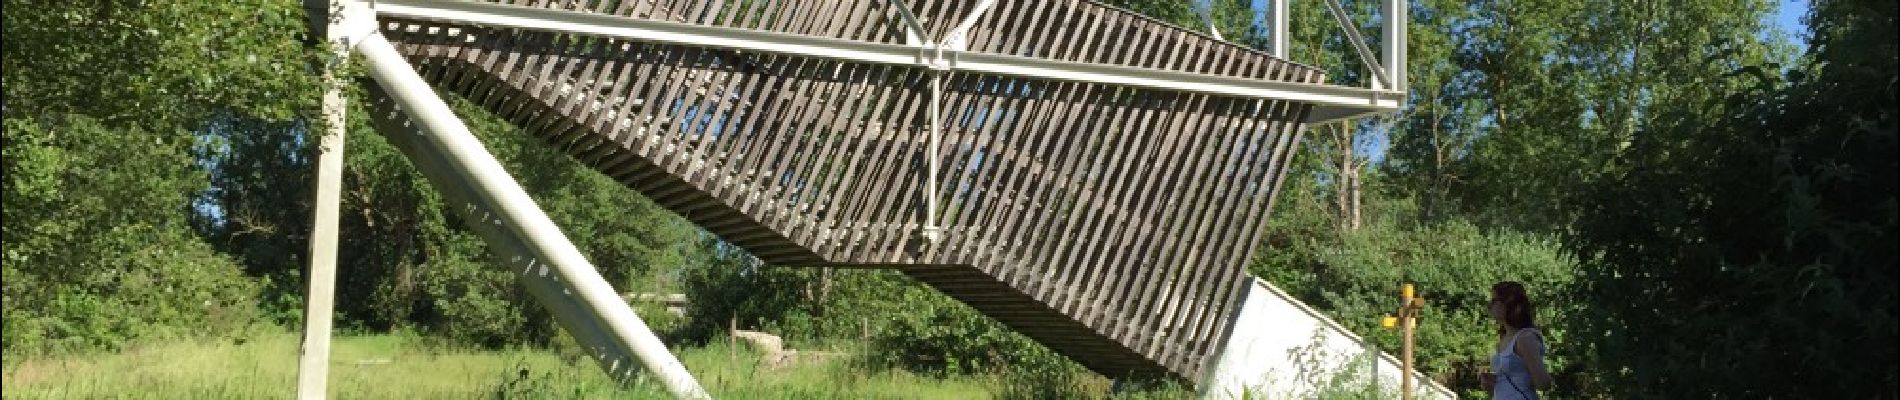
x,y
1110,223
1162,285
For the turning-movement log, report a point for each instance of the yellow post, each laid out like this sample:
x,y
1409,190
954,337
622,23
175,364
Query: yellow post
x,y
1410,303
1405,381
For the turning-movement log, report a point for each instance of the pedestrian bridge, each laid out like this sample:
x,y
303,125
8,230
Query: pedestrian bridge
x,y
1092,178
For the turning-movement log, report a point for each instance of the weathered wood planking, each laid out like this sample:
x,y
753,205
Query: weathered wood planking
x,y
1109,223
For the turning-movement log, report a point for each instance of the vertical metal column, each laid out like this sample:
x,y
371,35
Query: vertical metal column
x,y
932,231
313,359
1393,43
1280,47
931,52
313,362
517,213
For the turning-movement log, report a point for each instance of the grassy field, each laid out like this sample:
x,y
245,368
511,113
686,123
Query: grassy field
x,y
395,366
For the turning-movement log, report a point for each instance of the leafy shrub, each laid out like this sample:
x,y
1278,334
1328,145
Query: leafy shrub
x,y
1355,280
1749,251
98,252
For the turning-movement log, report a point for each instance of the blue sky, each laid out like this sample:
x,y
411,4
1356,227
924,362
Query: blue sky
x,y
1788,17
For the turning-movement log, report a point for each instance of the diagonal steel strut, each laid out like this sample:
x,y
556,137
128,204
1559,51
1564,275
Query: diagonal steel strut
x,y
516,213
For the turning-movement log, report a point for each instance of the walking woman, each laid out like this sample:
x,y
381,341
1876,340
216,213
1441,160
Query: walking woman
x,y
1517,364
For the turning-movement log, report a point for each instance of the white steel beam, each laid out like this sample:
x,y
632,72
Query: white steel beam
x,y
342,22
313,365
1350,99
1207,16
1358,41
517,212
1280,47
508,250
1393,43
932,232
914,32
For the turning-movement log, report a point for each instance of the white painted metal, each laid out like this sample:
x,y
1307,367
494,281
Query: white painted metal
x,y
914,33
932,232
1322,95
517,213
313,362
1280,47
1207,16
1277,347
1393,42
346,21
959,37
511,251
1350,100
1358,41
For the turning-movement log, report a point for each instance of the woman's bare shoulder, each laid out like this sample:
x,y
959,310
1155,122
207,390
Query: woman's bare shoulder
x,y
1534,332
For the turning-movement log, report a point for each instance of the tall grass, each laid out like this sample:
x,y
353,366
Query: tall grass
x,y
399,366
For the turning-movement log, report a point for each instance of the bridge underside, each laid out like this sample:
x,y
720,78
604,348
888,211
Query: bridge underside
x,y
1110,223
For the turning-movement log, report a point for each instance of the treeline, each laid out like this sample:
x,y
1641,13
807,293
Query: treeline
x,y
158,163
157,185
1700,207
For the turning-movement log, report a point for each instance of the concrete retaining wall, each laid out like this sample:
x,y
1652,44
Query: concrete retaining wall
x,y
1279,348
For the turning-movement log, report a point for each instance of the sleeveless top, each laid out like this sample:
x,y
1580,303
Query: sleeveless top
x,y
1514,377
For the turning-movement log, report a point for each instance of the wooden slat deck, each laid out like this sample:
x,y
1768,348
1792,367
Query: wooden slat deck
x,y
1110,223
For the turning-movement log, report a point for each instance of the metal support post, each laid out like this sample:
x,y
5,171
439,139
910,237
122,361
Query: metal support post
x,y
516,212
931,56
1393,43
933,232
313,360
1207,16
341,21
1280,47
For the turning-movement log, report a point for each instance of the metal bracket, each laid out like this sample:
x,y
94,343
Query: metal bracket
x,y
1358,43
958,38
1388,71
350,22
914,33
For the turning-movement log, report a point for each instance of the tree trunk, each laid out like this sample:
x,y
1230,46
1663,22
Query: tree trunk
x,y
1357,205
824,291
1346,189
1441,178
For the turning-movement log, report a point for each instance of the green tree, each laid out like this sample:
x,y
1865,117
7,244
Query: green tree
x,y
405,259
1516,109
1354,277
1564,85
1757,231
98,250
104,103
